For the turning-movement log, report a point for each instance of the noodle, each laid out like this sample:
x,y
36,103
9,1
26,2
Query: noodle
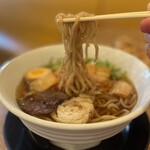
x,y
76,78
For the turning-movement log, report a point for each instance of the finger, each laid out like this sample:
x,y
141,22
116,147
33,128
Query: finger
x,y
145,25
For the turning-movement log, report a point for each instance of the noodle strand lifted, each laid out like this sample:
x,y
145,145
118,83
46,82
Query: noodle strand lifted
x,y
76,78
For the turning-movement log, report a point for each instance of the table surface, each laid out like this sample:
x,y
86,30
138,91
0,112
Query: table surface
x,y
130,40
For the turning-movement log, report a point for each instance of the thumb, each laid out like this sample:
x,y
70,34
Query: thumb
x,y
145,23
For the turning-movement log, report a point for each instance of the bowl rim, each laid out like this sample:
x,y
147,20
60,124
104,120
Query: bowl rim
x,y
55,125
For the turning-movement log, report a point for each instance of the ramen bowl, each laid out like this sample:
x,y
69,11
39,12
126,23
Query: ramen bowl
x,y
73,136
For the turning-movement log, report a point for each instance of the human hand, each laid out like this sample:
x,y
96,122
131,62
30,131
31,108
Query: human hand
x,y
145,27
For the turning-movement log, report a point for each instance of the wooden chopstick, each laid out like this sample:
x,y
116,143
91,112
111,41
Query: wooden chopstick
x,y
139,14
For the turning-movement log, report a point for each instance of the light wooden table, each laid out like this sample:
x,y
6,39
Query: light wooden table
x,y
130,40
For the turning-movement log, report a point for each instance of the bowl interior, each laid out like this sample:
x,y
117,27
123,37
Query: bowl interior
x,y
12,73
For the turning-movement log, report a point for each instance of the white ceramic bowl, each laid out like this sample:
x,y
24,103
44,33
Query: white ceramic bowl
x,y
73,136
